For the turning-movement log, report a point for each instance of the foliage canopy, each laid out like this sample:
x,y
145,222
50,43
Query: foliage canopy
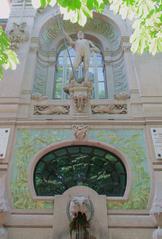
x,y
145,16
8,58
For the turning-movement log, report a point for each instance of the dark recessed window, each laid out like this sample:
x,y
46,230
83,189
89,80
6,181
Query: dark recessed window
x,y
89,166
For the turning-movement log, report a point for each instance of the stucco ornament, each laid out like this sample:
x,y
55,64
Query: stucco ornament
x,y
80,131
80,204
18,35
51,109
109,109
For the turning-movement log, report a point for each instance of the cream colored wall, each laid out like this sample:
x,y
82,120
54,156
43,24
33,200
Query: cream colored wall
x,y
149,71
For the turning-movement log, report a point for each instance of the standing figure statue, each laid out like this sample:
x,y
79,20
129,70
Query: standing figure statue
x,y
83,48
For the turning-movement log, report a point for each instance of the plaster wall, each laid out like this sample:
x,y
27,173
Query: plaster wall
x,y
149,70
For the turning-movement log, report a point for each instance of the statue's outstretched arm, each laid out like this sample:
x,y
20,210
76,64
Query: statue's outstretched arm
x,y
69,39
94,48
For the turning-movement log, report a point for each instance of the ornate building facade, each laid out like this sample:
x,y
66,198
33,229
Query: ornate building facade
x,y
101,141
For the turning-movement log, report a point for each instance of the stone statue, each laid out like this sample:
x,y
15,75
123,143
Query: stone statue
x,y
83,49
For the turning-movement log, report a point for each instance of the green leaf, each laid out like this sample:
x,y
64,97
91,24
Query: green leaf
x,y
129,2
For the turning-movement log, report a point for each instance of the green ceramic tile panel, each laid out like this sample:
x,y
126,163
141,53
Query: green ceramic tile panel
x,y
132,144
30,141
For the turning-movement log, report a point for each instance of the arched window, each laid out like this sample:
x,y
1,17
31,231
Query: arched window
x,y
89,166
96,73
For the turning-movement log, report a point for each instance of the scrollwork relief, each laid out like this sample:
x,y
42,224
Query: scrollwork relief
x,y
51,109
109,109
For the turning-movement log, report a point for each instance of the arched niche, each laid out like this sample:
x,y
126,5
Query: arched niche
x,y
102,31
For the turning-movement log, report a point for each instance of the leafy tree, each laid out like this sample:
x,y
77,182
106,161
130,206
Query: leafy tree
x,y
145,15
8,58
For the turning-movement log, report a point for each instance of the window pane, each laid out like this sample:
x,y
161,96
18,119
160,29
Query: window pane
x,y
80,165
60,61
99,59
100,74
58,90
101,90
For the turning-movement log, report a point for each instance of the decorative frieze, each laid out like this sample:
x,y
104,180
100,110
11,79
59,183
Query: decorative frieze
x,y
109,109
51,109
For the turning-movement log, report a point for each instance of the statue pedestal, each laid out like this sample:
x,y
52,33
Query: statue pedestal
x,y
80,94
